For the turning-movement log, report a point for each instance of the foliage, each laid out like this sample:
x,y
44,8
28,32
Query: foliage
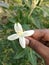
x,y
32,14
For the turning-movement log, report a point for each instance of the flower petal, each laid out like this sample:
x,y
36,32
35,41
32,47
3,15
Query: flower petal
x,y
13,37
22,42
28,33
18,27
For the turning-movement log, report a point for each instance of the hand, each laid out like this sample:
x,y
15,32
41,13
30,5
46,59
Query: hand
x,y
37,41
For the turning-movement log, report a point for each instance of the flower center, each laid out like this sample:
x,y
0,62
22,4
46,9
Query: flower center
x,y
20,33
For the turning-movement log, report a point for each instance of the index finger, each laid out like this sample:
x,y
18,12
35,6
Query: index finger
x,y
41,34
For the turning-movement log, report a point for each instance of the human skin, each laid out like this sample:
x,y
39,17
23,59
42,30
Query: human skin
x,y
38,41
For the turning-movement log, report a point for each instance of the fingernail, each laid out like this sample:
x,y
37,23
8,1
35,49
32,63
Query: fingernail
x,y
27,42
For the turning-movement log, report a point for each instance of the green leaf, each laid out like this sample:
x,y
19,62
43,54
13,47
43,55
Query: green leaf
x,y
36,23
19,54
26,27
12,20
32,57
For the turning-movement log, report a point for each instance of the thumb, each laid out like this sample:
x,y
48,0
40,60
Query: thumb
x,y
27,41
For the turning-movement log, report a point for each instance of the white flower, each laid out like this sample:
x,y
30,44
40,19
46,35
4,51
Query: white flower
x,y
20,34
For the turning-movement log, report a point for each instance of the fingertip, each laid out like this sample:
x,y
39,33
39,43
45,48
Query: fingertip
x,y
27,41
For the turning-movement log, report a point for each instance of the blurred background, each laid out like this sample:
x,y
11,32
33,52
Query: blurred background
x,y
32,14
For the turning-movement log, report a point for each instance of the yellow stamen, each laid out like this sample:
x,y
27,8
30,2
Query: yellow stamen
x,y
20,33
